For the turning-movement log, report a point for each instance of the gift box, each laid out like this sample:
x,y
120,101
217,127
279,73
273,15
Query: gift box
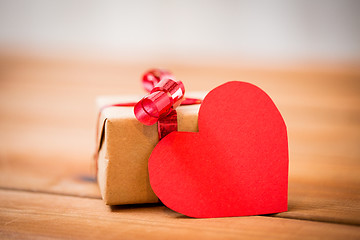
x,y
124,146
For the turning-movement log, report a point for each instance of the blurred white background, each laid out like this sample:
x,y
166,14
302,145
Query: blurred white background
x,y
259,30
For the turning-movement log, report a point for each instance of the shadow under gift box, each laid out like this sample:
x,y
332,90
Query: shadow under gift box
x,y
125,147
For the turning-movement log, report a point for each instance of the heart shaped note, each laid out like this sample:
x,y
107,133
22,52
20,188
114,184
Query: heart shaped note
x,y
236,165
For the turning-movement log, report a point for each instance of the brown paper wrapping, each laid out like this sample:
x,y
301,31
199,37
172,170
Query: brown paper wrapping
x,y
125,147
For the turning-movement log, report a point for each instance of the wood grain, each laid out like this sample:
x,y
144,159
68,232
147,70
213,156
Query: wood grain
x,y
47,128
32,215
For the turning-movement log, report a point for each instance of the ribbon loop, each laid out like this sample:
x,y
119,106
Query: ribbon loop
x,y
164,97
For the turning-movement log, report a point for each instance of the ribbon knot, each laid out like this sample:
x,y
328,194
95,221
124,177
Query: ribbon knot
x,y
163,98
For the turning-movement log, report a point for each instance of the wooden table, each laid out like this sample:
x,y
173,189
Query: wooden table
x,y
47,129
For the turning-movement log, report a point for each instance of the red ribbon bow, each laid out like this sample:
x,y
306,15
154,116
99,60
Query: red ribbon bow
x,y
159,106
163,98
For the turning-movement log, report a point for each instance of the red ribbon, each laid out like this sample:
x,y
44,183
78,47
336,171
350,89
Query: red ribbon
x,y
159,106
163,98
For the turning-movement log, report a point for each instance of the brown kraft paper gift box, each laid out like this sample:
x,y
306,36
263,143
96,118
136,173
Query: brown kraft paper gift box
x,y
125,145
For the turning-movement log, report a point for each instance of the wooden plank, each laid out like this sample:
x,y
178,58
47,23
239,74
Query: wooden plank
x,y
312,196
319,202
47,127
34,215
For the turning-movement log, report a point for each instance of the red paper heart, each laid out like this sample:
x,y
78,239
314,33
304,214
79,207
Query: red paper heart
x,y
236,165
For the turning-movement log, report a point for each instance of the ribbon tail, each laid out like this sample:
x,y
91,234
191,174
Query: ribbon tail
x,y
168,124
